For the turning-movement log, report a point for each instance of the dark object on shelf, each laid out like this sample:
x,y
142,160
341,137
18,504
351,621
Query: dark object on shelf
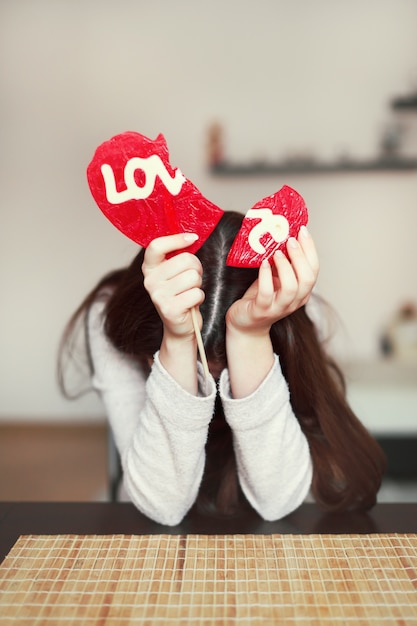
x,y
405,102
215,150
313,167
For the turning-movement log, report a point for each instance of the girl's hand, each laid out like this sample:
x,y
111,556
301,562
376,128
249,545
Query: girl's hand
x,y
279,290
173,284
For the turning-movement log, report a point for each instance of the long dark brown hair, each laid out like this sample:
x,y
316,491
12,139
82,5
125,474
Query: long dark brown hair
x,y
348,463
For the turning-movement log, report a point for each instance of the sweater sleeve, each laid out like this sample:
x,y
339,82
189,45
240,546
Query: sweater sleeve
x,y
160,430
272,453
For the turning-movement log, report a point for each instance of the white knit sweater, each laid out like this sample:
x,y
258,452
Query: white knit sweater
x,y
160,431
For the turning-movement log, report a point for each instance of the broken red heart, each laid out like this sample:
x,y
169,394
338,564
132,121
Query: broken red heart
x,y
136,188
266,228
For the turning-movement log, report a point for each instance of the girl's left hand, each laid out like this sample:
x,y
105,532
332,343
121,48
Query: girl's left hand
x,y
279,290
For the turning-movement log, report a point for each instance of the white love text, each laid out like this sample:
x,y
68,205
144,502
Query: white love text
x,y
275,225
152,167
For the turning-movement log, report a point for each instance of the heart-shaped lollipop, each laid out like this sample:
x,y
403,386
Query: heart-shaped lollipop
x,y
136,188
266,228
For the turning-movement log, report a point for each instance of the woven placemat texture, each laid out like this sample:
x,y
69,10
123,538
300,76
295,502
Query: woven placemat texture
x,y
210,579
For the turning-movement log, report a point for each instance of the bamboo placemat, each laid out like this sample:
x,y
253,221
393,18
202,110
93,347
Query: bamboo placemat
x,y
217,579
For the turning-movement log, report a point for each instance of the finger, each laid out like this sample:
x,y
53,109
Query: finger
x,y
165,289
288,283
179,313
161,246
265,285
183,281
177,309
307,244
192,298
306,275
176,265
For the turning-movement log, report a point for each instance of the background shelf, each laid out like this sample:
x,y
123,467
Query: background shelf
x,y
257,169
405,102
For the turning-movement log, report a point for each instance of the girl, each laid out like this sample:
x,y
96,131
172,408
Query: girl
x,y
270,423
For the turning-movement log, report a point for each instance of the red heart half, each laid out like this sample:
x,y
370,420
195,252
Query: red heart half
x,y
266,228
143,196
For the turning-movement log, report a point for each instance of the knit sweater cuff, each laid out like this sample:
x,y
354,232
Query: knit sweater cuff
x,y
176,405
271,395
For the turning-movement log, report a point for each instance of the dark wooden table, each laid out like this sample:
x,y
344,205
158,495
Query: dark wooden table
x,y
55,518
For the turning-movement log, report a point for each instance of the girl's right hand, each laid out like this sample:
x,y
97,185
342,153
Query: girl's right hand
x,y
174,284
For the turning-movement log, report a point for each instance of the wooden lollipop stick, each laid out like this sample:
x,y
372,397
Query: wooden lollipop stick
x,y
200,342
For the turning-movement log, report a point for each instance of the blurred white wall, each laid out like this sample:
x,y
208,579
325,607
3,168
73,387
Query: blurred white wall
x,y
280,75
